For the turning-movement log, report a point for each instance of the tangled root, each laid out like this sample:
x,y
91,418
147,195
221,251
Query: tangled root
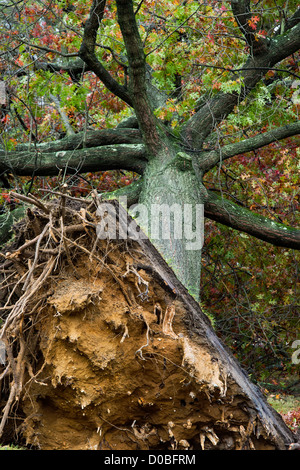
x,y
51,236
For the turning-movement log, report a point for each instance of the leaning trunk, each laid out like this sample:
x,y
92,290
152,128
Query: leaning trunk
x,y
170,211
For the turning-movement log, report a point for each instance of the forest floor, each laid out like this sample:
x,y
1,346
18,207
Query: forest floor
x,y
288,406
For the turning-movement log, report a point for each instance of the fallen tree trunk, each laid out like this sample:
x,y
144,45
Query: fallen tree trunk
x,y
106,348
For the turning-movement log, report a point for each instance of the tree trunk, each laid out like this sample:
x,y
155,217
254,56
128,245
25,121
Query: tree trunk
x,y
172,191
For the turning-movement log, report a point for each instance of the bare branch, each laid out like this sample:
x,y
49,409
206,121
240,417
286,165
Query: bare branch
x,y
242,14
292,21
173,31
64,117
235,71
47,49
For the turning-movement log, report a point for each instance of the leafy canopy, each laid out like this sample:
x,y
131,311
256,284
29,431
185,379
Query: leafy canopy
x,y
194,49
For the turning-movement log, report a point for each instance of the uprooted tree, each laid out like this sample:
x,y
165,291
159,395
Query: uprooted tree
x,y
184,117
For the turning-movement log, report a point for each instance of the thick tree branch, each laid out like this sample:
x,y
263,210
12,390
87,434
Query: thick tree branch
x,y
131,192
108,157
218,108
230,214
137,73
292,21
209,159
234,71
90,139
87,52
242,14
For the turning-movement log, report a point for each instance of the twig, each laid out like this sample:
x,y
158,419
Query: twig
x,y
172,32
59,193
17,367
67,249
13,389
36,256
140,280
64,117
228,69
5,372
12,292
63,203
22,248
47,49
30,200
7,407
86,223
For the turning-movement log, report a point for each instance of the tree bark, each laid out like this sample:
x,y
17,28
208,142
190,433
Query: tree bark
x,y
176,192
88,139
210,159
87,52
271,419
161,184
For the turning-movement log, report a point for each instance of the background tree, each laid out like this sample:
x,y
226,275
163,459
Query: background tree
x,y
196,102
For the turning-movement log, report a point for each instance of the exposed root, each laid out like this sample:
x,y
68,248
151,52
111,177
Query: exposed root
x,y
168,320
103,351
138,281
46,250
